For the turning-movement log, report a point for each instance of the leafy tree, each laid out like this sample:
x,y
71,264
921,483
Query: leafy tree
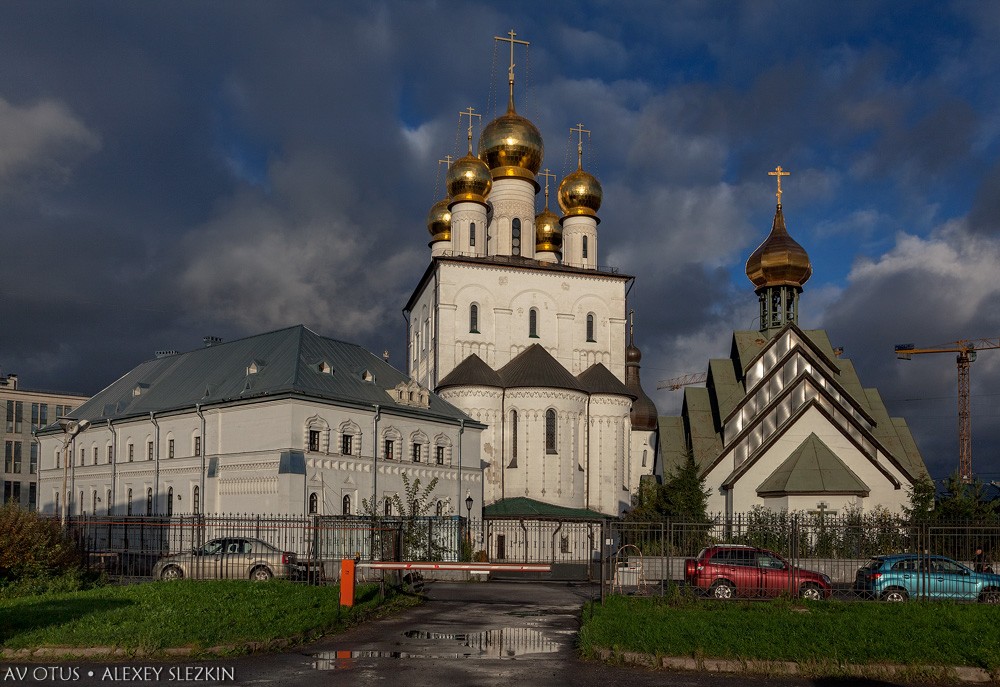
x,y
412,525
33,546
921,506
965,501
682,496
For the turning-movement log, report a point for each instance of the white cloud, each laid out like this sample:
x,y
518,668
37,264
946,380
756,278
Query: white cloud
x,y
41,139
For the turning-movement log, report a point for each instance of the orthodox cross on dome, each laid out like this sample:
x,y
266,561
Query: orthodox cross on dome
x,y
779,172
547,173
448,159
578,129
470,113
631,324
510,70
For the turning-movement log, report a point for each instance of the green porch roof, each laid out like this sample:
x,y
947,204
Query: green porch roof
x,y
523,507
812,468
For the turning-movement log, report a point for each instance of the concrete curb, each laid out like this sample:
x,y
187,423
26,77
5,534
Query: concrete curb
x,y
793,668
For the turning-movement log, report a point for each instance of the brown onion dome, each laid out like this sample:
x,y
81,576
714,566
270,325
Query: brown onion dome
x,y
643,414
439,221
469,179
632,354
580,194
548,232
511,146
779,261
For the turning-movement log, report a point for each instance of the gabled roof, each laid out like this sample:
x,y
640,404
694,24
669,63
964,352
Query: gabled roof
x,y
598,379
706,442
812,468
535,367
298,362
523,507
472,371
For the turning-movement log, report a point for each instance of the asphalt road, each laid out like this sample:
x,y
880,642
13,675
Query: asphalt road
x,y
484,634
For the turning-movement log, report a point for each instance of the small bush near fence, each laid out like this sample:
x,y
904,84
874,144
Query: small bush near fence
x,y
32,546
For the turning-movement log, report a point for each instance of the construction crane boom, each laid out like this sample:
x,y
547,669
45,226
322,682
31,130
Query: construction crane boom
x,y
966,354
675,383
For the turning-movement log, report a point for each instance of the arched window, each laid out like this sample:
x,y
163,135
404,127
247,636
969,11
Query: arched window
x,y
590,327
439,510
196,501
585,247
94,506
313,503
347,504
149,501
550,431
472,234
515,237
170,501
81,503
533,323
128,503
388,507
644,452
513,439
473,319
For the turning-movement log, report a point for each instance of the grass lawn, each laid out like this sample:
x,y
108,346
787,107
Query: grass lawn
x,y
200,615
825,633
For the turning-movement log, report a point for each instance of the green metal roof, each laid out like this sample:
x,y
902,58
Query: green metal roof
x,y
673,443
706,442
523,507
291,361
812,468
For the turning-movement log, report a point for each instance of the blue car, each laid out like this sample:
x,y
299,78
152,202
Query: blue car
x,y
903,576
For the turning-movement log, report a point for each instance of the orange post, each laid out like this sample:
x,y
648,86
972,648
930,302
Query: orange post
x,y
347,582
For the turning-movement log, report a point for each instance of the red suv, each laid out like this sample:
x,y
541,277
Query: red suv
x,y
728,570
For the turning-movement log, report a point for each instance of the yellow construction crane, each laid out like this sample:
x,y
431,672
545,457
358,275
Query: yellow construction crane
x,y
966,350
676,383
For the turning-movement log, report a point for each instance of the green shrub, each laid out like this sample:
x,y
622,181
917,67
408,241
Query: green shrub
x,y
33,546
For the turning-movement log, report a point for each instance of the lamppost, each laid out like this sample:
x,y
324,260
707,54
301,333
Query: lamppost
x,y
70,428
468,521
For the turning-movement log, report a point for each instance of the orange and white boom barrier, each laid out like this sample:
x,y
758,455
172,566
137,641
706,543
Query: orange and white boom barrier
x,y
467,567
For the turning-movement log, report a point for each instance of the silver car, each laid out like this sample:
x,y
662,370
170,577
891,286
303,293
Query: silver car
x,y
228,558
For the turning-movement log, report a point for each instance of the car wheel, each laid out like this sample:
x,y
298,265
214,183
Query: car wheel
x,y
723,590
172,572
811,592
261,574
990,596
894,595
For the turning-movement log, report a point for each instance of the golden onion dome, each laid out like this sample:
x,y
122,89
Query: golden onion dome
x,y
469,179
511,146
548,232
439,221
580,194
779,261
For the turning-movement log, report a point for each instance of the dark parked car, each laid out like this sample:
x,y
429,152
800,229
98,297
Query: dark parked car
x,y
728,570
904,576
228,558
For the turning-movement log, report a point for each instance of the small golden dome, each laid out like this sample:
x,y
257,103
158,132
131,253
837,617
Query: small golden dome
x,y
469,179
439,221
779,261
511,146
548,232
580,194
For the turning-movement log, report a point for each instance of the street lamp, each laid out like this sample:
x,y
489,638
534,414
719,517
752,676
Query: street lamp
x,y
468,521
70,428
468,506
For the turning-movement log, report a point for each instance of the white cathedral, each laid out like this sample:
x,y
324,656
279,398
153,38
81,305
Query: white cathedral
x,y
515,323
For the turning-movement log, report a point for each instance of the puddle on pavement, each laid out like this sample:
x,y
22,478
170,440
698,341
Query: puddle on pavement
x,y
505,642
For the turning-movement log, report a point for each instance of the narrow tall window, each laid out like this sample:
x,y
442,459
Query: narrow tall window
x,y
95,455
515,237
388,451
346,443
388,507
81,503
585,247
473,319
170,448
313,439
197,446
149,501
149,450
513,439
109,502
17,457
93,505
111,454
439,509
131,452
533,323
590,327
347,504
33,459
439,454
128,503
472,234
416,453
83,456
170,501
196,501
550,431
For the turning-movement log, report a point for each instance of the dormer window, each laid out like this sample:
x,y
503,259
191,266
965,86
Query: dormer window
x,y
255,367
368,376
324,368
139,389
